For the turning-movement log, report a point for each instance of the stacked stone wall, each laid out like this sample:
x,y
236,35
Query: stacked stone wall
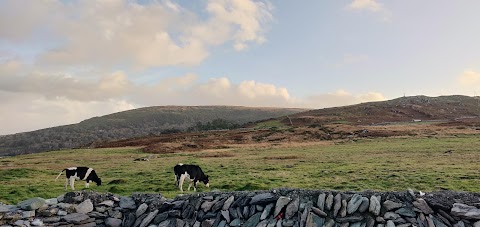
x,y
279,207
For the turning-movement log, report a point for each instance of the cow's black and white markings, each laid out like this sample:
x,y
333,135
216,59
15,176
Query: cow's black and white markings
x,y
80,173
193,173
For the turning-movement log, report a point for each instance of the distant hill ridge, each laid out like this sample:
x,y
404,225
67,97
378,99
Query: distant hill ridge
x,y
445,108
132,123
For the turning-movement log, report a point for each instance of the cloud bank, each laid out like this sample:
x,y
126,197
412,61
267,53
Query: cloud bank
x,y
115,32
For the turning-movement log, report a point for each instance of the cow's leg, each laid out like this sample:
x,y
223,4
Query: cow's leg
x,y
72,183
189,185
66,183
194,186
176,180
180,183
87,184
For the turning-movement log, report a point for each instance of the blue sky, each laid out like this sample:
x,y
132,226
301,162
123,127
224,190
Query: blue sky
x,y
65,61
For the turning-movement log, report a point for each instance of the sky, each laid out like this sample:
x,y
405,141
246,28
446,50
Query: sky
x,y
64,61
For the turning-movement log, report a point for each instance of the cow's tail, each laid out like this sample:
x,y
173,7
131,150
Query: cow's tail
x,y
59,175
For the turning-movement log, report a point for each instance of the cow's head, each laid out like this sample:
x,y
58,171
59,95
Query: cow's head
x,y
206,181
98,181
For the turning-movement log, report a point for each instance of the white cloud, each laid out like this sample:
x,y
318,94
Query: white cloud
x,y
341,98
469,78
18,79
217,87
371,97
215,91
121,32
20,18
372,6
247,15
252,89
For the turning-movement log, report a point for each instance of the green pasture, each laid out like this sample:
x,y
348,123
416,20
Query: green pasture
x,y
380,164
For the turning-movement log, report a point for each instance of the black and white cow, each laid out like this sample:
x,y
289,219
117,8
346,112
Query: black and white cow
x,y
191,172
80,173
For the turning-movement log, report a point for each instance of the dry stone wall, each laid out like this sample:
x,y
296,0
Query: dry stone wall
x,y
279,207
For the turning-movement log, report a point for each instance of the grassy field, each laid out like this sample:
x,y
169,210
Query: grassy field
x,y
379,164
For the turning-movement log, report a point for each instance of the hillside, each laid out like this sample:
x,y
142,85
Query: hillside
x,y
152,127
130,124
404,109
417,116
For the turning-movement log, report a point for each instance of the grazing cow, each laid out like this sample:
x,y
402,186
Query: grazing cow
x,y
80,173
191,172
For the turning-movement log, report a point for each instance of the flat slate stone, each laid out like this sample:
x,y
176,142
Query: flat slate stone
x,y
337,204
459,224
160,217
375,206
354,203
329,202
75,218
318,220
390,223
319,212
281,202
423,206
391,216
37,222
266,211
236,222
292,208
365,205
108,203
149,218
226,215
113,222
8,208
207,205
52,201
228,203
141,209
390,205
406,212
465,211
355,218
253,220
32,204
321,201
330,223
127,203
263,198
288,223
218,205
84,207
